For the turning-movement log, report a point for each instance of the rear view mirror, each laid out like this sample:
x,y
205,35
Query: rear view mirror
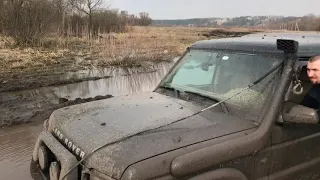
x,y
205,67
295,113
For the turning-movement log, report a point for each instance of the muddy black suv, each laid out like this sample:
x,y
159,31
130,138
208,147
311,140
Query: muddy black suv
x,y
227,110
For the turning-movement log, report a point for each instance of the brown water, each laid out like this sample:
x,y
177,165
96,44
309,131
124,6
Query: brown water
x,y
16,146
17,142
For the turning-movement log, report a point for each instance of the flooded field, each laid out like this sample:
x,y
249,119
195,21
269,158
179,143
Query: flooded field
x,y
16,142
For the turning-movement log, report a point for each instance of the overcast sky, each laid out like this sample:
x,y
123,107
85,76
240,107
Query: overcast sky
x,y
182,9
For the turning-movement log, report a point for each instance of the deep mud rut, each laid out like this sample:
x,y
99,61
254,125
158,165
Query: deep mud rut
x,y
31,107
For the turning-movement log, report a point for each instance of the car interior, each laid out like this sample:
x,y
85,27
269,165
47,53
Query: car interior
x,y
305,82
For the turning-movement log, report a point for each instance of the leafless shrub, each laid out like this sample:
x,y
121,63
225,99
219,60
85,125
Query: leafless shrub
x,y
104,21
144,20
88,7
26,20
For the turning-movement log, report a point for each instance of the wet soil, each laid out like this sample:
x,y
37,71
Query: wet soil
x,y
14,82
220,33
20,110
31,78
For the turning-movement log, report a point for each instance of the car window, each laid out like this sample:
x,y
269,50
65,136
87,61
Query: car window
x,y
193,72
218,73
222,75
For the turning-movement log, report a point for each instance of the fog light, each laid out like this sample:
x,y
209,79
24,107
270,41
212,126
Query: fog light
x,y
54,171
43,157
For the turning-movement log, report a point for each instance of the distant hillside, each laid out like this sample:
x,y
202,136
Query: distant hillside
x,y
188,22
309,22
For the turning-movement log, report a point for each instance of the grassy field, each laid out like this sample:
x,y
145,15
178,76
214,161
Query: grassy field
x,y
57,55
124,49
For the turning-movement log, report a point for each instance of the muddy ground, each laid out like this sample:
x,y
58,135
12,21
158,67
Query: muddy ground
x,y
32,113
220,33
70,71
17,81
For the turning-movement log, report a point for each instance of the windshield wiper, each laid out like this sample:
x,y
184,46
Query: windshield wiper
x,y
176,91
222,104
202,95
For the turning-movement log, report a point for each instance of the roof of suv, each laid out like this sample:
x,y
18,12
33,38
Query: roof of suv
x,y
309,45
295,34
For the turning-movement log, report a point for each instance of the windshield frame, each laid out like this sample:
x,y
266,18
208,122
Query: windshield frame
x,y
212,95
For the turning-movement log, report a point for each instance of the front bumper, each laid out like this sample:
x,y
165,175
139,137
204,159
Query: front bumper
x,y
66,159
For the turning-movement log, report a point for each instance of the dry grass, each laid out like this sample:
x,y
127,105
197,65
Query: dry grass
x,y
139,45
17,59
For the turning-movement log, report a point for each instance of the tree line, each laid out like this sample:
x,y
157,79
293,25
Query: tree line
x,y
27,21
309,22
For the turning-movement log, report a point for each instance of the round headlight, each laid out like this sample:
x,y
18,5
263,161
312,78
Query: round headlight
x,y
46,125
54,171
43,157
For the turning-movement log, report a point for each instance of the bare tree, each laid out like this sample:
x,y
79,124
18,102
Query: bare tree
x,y
145,20
87,7
2,4
318,28
60,9
27,21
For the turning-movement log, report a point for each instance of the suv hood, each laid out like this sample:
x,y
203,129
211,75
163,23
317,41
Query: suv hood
x,y
85,127
94,124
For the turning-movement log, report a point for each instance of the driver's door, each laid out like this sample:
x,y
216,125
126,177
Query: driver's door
x,y
295,150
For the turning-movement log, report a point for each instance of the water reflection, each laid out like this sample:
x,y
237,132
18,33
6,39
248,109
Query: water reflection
x,y
116,86
123,81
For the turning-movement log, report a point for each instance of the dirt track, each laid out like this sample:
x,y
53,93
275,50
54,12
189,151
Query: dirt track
x,y
19,110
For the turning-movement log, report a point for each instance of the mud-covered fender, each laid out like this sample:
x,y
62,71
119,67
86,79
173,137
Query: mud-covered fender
x,y
221,174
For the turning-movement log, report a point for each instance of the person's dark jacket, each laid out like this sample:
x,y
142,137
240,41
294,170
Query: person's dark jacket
x,y
312,99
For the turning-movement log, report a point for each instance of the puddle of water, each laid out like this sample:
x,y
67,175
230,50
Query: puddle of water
x,y
116,71
118,85
16,146
16,143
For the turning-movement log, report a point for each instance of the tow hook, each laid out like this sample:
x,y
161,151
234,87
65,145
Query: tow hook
x,y
298,89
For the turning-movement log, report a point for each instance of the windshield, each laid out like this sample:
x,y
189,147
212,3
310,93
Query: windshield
x,y
221,75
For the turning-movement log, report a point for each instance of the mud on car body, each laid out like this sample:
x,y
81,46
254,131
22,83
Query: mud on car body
x,y
228,109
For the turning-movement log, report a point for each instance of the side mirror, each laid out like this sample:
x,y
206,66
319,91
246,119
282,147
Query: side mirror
x,y
295,113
